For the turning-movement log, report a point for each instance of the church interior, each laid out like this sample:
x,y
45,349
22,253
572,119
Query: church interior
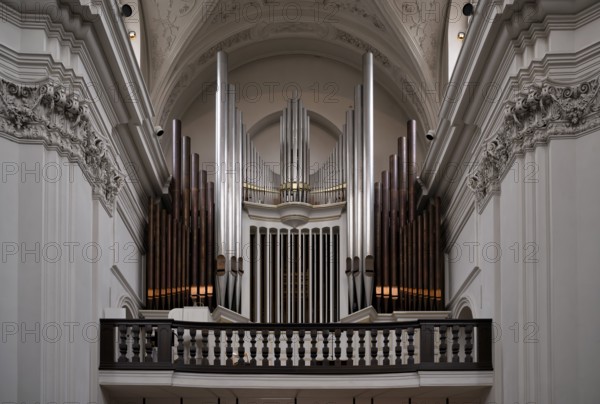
x,y
299,201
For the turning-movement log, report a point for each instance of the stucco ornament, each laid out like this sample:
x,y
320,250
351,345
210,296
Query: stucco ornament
x,y
49,114
539,112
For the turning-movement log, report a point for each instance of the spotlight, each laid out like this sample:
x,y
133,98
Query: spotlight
x,y
461,35
126,10
159,131
430,135
468,9
132,34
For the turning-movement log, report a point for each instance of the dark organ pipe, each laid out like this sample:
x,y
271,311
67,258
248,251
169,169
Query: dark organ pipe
x,y
394,189
409,271
194,292
150,257
412,167
378,250
163,258
180,235
385,231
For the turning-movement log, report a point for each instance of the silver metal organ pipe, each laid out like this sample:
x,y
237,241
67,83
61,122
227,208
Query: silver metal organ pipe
x,y
231,212
238,184
300,152
282,150
357,196
368,240
221,148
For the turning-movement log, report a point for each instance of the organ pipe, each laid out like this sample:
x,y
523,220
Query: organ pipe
x,y
179,260
411,276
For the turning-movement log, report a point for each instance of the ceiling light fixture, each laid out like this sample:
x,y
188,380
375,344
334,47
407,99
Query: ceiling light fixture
x,y
132,34
468,9
126,10
461,35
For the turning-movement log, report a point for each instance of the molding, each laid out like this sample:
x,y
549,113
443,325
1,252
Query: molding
x,y
465,285
398,381
542,111
295,214
223,315
131,294
46,113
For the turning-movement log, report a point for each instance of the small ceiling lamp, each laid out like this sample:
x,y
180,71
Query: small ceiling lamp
x,y
461,35
468,9
126,10
132,34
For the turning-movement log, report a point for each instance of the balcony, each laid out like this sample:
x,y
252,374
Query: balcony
x,y
276,349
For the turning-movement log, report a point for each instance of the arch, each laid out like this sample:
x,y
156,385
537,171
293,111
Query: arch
x,y
131,309
464,307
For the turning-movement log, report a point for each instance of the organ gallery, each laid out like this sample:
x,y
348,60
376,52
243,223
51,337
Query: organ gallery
x,y
299,241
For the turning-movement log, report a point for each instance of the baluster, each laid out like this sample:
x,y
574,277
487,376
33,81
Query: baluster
x,y
265,347
277,349
289,348
373,347
205,347
148,345
135,330
386,348
217,350
241,349
301,350
468,343
313,349
455,344
123,343
411,346
253,347
192,346
325,347
180,331
349,347
443,344
398,333
361,347
337,351
228,348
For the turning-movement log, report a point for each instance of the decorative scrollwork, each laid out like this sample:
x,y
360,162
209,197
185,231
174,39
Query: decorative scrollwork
x,y
49,114
538,112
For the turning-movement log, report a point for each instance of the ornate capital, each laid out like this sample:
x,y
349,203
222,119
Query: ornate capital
x,y
539,112
49,114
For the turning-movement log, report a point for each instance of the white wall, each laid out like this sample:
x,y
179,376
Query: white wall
x,y
542,292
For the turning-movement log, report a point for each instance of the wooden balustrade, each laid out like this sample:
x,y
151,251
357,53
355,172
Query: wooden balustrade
x,y
295,348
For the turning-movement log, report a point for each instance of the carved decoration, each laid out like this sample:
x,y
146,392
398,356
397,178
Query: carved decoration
x,y
539,112
47,113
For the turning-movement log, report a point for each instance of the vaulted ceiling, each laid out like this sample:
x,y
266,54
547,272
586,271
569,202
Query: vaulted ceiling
x,y
406,37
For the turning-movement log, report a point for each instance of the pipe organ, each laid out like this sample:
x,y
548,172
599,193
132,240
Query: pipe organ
x,y
296,264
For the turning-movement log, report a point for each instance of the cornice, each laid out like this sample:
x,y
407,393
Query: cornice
x,y
47,113
522,61
542,111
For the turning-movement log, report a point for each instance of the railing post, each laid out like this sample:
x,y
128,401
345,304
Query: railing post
x,y
426,343
107,343
163,343
484,344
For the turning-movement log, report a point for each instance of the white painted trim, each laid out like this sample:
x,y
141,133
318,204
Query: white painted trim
x,y
274,382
